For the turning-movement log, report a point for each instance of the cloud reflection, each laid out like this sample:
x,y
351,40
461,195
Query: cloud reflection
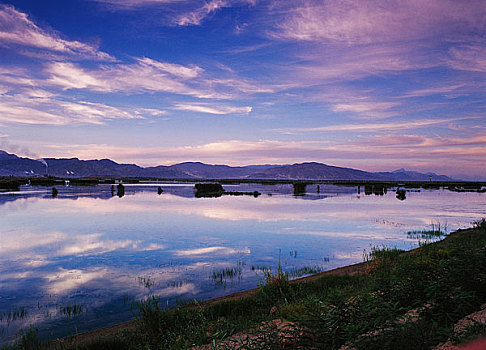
x,y
63,281
211,250
92,244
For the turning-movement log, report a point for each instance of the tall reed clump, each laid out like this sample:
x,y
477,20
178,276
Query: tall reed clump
x,y
379,258
167,329
409,301
276,286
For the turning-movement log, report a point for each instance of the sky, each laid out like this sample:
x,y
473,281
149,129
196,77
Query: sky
x,y
373,85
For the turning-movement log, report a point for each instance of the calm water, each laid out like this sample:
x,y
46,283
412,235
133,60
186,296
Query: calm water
x,y
98,252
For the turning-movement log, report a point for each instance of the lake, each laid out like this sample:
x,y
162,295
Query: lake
x,y
79,261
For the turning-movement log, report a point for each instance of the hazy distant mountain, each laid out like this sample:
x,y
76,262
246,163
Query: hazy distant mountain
x,y
406,175
315,171
206,171
10,164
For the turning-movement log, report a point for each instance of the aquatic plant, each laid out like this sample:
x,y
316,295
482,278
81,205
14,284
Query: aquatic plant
x,y
435,231
13,315
238,193
71,310
146,281
220,276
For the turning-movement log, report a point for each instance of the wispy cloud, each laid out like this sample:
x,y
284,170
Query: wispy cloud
x,y
187,14
17,110
364,22
71,76
440,90
128,4
13,76
25,99
213,109
344,40
148,75
144,75
195,17
468,58
251,48
35,107
344,63
19,32
373,127
364,107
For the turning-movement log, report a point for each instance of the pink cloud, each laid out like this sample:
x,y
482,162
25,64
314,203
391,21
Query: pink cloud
x,y
364,22
213,109
39,107
345,40
145,75
440,90
128,4
374,155
337,63
148,75
374,127
468,58
364,106
195,17
17,30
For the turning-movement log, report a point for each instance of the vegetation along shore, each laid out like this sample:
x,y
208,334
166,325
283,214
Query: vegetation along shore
x,y
429,297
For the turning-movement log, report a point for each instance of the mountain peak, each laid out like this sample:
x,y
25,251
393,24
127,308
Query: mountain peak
x,y
4,155
10,164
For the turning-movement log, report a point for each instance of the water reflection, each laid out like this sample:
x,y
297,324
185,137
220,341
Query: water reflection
x,y
94,252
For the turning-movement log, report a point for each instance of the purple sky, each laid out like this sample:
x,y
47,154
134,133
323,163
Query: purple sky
x,y
375,85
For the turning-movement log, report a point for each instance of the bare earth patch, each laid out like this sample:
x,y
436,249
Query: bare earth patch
x,y
280,332
460,326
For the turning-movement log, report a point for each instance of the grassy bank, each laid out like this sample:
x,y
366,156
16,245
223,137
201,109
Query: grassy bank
x,y
394,300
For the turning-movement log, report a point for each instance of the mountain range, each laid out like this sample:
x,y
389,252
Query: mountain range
x,y
12,165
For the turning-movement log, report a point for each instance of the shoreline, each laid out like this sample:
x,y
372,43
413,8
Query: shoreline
x,y
353,269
